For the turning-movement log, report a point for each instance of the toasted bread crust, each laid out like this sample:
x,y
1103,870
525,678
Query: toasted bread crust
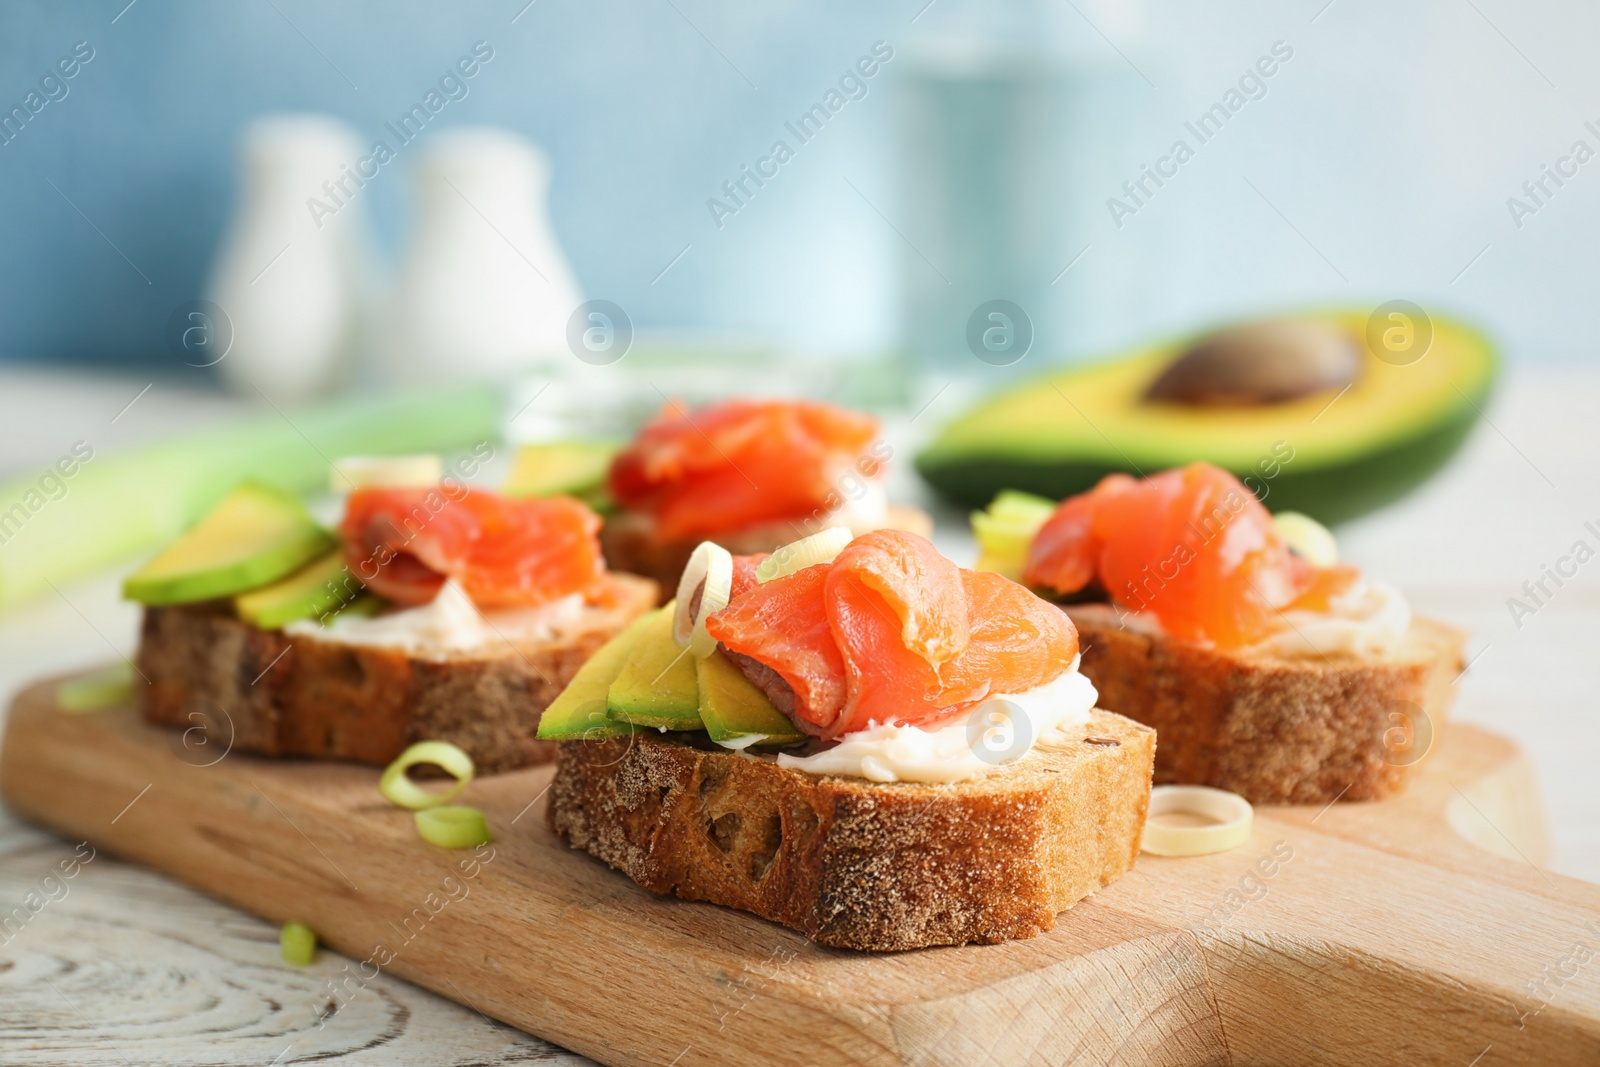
x,y
857,864
630,544
275,695
1275,730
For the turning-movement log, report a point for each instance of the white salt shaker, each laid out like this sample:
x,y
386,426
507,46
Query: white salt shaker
x,y
485,291
293,274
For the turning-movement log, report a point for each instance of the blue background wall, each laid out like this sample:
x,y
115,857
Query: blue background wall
x,y
1378,165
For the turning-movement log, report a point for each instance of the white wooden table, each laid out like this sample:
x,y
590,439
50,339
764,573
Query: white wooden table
x,y
128,967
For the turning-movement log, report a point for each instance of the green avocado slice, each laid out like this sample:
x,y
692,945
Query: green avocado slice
x,y
576,468
324,585
254,536
579,712
734,710
657,686
1332,455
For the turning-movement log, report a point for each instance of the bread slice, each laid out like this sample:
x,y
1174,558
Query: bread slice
x,y
857,864
1276,730
264,692
630,543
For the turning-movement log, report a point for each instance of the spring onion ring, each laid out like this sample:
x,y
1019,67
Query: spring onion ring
x,y
1307,537
454,826
1009,537
1005,531
1226,816
109,687
385,472
713,565
298,944
402,792
806,552
1024,509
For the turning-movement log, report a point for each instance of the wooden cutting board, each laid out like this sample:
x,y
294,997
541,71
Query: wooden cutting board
x,y
1417,930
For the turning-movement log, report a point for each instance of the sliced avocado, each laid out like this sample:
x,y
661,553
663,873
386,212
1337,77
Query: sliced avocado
x,y
255,535
324,585
657,686
735,710
580,711
552,468
1329,454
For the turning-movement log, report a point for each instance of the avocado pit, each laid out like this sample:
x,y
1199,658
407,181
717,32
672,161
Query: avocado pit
x,y
1260,363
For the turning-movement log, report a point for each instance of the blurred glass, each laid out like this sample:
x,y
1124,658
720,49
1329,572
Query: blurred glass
x,y
984,129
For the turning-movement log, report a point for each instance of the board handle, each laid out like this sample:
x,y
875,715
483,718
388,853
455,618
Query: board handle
x,y
1421,930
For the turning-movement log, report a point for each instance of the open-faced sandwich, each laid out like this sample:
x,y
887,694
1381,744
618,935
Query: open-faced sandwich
x,y
438,611
854,738
748,475
1267,667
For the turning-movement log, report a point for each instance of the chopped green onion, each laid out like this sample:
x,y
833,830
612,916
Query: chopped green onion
x,y
108,687
402,792
1005,566
712,565
1006,531
298,944
456,826
806,552
1307,537
1007,537
1025,507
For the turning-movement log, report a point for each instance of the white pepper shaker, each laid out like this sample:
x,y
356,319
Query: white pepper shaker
x,y
292,275
485,291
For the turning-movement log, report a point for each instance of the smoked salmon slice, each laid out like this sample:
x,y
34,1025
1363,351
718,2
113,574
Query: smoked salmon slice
x,y
784,624
403,543
891,632
739,464
1192,547
906,575
744,574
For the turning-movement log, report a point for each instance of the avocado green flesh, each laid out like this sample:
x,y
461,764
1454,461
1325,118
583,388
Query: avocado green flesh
x,y
1350,453
316,589
579,713
578,468
657,686
253,537
732,708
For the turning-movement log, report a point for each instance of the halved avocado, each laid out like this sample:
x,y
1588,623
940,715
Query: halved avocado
x,y
321,586
575,468
579,712
1333,453
255,535
657,686
733,709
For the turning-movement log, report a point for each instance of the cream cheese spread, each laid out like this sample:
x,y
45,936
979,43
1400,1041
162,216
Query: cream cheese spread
x,y
448,625
1369,618
971,745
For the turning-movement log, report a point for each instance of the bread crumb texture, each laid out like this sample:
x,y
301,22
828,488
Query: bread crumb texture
x,y
858,864
1277,730
274,695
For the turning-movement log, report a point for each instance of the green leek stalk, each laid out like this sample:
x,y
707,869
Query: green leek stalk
x,y
115,507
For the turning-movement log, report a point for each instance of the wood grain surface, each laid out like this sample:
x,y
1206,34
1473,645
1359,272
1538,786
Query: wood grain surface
x,y
1356,934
